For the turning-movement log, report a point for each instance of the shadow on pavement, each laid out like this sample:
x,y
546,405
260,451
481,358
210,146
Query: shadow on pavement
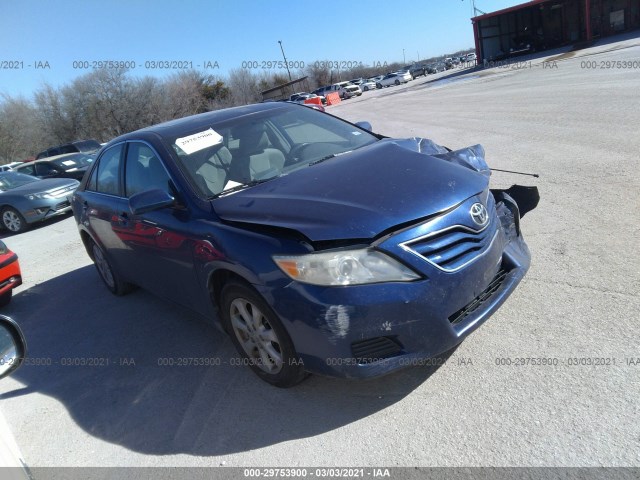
x,y
159,409
4,233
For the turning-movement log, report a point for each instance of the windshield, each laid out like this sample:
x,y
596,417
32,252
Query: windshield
x,y
87,145
11,180
255,148
69,162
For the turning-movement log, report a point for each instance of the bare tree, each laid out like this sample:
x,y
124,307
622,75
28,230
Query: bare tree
x,y
18,129
244,86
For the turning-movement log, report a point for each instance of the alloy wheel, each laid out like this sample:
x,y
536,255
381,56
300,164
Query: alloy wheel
x,y
103,267
256,336
12,221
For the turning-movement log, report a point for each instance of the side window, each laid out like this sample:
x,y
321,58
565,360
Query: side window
x,y
104,178
143,170
28,169
44,169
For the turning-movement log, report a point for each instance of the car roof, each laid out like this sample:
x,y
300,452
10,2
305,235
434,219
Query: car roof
x,y
201,120
59,157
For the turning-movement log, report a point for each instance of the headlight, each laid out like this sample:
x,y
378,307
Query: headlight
x,y
345,267
38,196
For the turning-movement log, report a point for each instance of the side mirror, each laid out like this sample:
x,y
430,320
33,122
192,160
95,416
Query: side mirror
x,y
13,346
365,126
155,199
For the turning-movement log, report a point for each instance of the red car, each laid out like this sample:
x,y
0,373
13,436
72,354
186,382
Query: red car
x,y
10,276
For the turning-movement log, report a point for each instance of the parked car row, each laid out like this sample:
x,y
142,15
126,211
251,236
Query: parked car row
x,y
344,89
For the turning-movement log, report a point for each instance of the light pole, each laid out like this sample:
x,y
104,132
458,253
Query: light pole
x,y
476,11
285,59
404,60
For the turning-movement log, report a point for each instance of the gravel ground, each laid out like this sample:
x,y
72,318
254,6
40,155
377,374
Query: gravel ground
x,y
575,126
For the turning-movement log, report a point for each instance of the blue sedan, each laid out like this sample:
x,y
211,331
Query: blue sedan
x,y
25,200
317,245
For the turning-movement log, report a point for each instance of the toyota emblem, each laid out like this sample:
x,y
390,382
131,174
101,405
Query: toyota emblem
x,y
479,214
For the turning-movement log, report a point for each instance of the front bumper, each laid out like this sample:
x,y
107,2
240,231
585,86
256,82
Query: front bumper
x,y
10,275
45,211
370,330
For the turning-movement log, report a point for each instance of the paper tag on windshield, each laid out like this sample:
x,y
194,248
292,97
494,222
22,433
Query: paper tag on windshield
x,y
230,184
68,162
199,141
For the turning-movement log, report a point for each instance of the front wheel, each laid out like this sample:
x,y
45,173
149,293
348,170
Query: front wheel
x,y
397,82
13,221
260,337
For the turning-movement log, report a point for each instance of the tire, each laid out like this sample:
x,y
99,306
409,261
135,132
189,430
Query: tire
x,y
259,336
109,276
378,85
366,89
5,298
13,221
397,82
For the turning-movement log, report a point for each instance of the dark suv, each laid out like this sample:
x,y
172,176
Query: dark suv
x,y
417,71
84,146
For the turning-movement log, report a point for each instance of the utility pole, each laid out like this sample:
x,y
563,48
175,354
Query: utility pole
x,y
285,60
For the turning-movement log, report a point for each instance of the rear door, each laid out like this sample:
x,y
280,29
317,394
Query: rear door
x,y
103,207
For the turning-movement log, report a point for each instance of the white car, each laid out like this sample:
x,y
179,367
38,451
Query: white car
x,y
393,79
343,89
406,73
9,166
367,85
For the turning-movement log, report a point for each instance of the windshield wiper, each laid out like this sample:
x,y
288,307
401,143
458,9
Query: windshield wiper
x,y
242,186
315,162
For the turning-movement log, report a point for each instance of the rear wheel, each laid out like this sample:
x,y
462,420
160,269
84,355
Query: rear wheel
x,y
397,82
109,276
260,337
13,221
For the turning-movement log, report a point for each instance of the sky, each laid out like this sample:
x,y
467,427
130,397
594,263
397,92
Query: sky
x,y
46,41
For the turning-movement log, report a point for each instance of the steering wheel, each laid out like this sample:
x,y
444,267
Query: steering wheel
x,y
296,153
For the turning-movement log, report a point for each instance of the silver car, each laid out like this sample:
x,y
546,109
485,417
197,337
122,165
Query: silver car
x,y
25,200
395,78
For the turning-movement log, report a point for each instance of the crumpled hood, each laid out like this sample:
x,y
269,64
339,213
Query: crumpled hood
x,y
360,194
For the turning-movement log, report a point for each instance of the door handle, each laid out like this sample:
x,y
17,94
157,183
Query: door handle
x,y
123,218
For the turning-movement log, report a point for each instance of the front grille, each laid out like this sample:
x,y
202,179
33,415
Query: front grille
x,y
61,206
373,349
477,302
61,192
454,247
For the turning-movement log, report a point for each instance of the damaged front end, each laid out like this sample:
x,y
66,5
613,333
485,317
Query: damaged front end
x,y
464,267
